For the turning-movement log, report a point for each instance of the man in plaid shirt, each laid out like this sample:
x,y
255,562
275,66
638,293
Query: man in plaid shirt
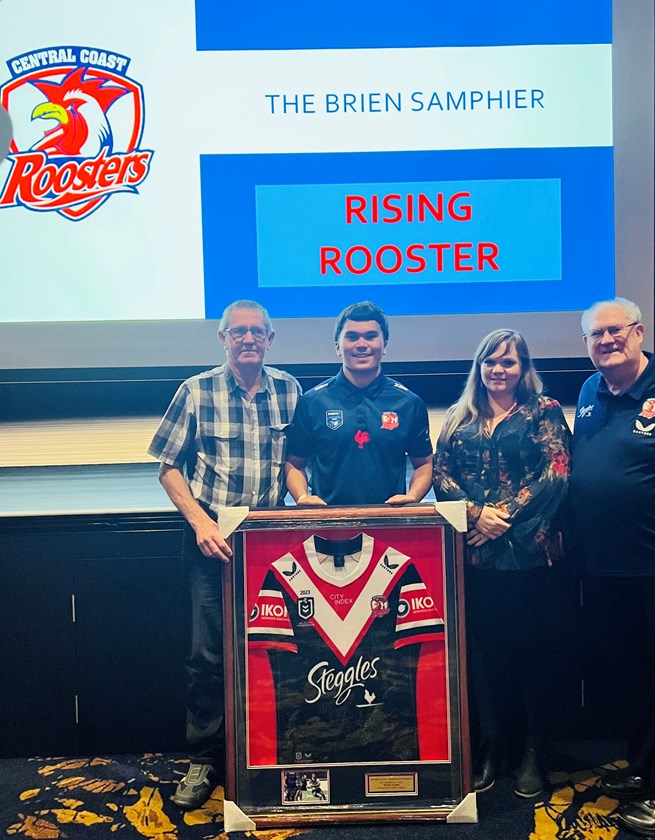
x,y
220,443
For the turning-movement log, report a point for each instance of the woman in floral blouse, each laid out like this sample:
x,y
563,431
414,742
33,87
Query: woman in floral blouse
x,y
504,450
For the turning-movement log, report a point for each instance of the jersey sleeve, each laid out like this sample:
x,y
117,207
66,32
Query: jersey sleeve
x,y
417,619
300,435
269,625
419,444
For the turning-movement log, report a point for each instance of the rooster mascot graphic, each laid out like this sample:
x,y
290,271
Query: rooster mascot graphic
x,y
72,149
80,107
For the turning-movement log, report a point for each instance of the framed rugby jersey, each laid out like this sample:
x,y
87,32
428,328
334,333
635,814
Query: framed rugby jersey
x,y
345,666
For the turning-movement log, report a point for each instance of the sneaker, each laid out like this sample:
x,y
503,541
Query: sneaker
x,y
196,786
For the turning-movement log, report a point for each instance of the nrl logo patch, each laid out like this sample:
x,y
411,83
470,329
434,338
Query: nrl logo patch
x,y
334,418
78,121
306,607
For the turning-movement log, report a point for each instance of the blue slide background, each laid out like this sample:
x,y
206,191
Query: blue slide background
x,y
344,24
230,238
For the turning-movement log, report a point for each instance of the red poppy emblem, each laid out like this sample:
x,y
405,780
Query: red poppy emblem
x,y
389,420
648,409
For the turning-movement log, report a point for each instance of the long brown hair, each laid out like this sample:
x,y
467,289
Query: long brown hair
x,y
473,406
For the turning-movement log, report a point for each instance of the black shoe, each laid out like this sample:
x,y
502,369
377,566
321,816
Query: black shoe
x,y
494,763
639,817
623,784
485,779
530,777
196,786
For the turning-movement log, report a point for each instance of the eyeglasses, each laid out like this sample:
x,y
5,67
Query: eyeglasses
x,y
615,332
239,333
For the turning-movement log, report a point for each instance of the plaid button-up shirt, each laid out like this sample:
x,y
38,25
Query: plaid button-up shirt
x,y
230,446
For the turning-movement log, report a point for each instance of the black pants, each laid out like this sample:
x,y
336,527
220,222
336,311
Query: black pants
x,y
620,662
205,719
508,621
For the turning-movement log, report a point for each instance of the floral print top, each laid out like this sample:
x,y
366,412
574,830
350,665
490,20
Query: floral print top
x,y
521,468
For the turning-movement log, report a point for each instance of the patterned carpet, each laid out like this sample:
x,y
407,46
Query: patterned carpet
x,y
128,798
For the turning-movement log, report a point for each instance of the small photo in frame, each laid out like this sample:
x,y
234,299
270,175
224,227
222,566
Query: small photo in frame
x,y
305,787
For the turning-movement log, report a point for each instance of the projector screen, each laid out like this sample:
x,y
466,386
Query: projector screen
x,y
465,166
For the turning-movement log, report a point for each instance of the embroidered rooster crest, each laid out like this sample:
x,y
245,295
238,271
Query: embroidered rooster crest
x,y
78,122
648,409
389,420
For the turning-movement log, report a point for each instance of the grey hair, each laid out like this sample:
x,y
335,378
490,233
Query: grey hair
x,y
631,309
245,304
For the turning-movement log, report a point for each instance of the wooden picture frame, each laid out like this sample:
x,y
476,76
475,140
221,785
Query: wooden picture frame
x,y
345,666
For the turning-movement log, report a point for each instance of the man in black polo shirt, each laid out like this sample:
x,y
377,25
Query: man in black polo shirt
x,y
612,487
355,430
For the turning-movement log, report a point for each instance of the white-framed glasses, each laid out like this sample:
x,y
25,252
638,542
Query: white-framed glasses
x,y
613,332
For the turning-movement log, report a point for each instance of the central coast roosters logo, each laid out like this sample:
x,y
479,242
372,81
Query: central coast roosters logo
x,y
78,123
389,420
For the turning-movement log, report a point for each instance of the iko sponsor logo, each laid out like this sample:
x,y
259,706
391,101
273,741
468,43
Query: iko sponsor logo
x,y
278,611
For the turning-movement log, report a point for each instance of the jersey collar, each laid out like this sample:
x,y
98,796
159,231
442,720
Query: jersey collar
x,y
637,390
372,389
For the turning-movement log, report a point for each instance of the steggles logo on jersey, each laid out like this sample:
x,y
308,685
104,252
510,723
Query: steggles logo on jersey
x,y
78,121
325,680
389,420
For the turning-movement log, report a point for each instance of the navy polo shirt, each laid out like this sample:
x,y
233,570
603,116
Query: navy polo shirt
x,y
356,439
612,482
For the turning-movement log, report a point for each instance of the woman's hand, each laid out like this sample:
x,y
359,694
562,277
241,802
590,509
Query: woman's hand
x,y
475,539
492,523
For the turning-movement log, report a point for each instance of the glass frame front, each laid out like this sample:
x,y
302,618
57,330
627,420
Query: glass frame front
x,y
394,747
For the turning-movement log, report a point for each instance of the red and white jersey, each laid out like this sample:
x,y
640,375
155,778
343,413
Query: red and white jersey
x,y
343,637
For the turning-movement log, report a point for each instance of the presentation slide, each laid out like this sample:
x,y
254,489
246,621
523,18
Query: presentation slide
x,y
454,163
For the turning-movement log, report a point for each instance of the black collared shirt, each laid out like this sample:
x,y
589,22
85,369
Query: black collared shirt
x,y
612,483
357,439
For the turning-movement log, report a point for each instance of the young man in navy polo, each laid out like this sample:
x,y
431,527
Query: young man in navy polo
x,y
354,431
